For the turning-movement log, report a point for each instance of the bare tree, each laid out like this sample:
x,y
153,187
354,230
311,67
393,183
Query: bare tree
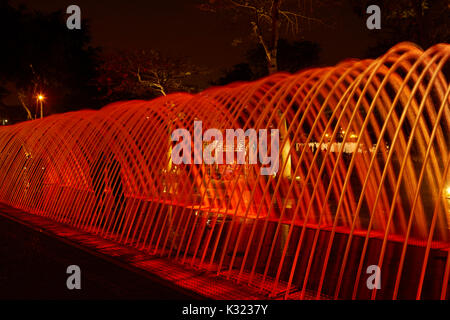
x,y
25,104
137,73
28,95
268,19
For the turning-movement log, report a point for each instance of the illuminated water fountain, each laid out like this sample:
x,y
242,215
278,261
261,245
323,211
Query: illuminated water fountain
x,y
363,179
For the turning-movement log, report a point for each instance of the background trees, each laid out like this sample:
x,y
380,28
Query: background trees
x,y
39,54
292,56
268,21
143,74
424,22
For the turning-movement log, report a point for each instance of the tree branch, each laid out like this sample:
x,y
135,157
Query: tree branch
x,y
153,84
22,101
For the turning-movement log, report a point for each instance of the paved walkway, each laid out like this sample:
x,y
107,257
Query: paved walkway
x,y
33,266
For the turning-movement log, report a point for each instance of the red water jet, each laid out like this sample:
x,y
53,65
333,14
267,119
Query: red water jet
x,y
364,169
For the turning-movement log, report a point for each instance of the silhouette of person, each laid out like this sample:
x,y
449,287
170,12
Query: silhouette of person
x,y
106,174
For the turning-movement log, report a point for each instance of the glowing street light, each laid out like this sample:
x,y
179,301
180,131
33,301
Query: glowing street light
x,y
41,99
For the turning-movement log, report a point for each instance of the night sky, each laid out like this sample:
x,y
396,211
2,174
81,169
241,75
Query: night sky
x,y
179,27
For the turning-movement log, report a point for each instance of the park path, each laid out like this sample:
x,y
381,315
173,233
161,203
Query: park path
x,y
33,265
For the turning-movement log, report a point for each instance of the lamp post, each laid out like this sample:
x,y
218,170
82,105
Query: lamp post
x,y
41,98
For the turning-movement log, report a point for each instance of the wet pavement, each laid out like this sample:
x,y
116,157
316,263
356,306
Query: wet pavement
x,y
33,265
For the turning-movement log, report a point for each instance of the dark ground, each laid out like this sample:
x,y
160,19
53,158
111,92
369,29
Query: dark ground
x,y
33,266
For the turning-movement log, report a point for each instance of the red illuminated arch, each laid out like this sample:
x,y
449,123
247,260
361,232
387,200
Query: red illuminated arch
x,y
364,163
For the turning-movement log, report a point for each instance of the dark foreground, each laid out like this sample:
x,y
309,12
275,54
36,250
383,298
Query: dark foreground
x,y
33,265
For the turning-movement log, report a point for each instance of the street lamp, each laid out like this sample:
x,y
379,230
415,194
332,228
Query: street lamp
x,y
41,98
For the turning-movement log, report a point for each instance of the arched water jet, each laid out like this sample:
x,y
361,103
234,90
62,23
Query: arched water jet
x,y
363,172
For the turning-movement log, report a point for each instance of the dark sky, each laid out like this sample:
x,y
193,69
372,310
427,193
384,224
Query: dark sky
x,y
178,27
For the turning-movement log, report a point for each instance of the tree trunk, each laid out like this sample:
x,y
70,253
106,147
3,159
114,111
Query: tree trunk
x,y
272,65
272,61
420,23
